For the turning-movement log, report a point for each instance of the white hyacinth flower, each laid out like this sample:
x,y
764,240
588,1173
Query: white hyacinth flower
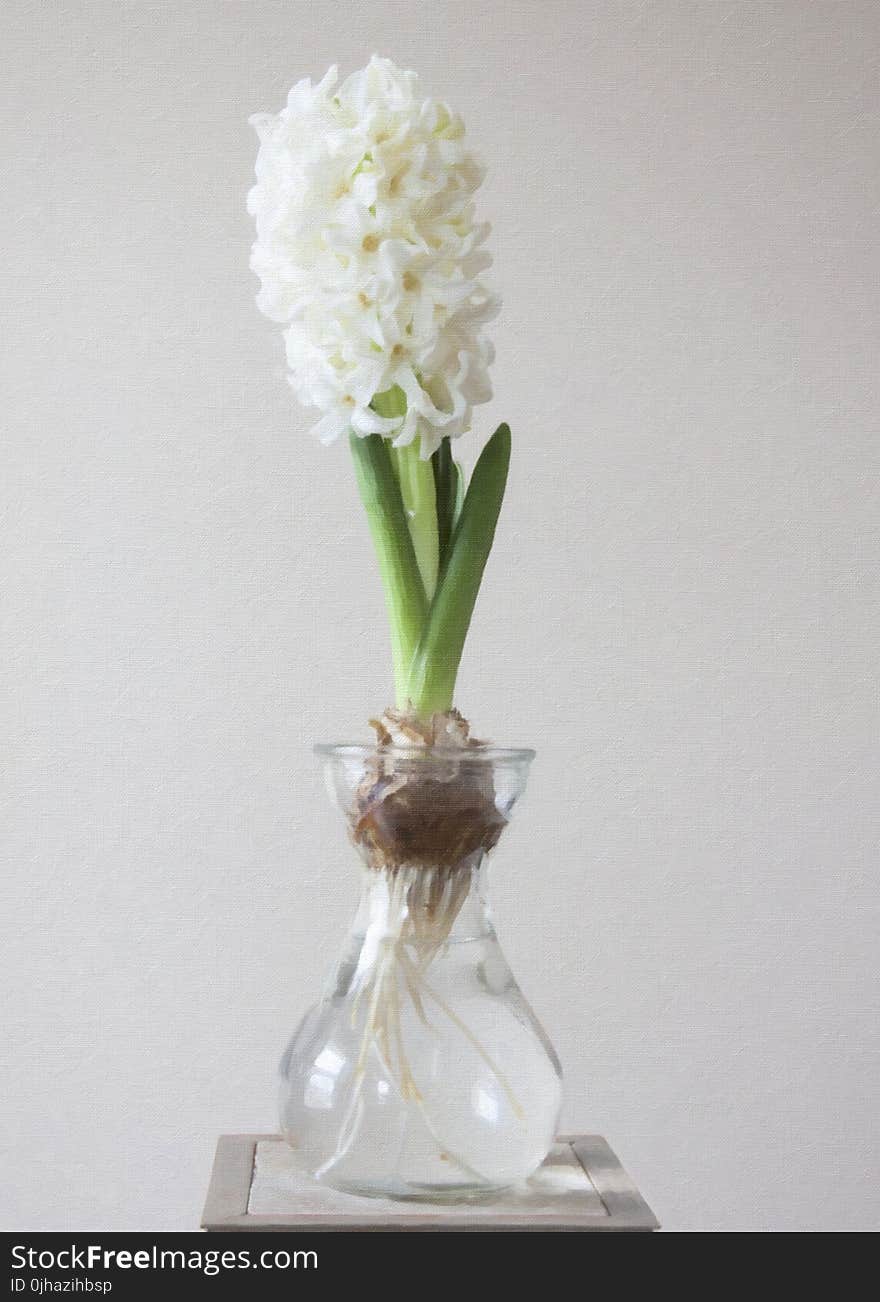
x,y
370,256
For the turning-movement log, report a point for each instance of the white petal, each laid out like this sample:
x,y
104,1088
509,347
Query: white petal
x,y
366,421
329,427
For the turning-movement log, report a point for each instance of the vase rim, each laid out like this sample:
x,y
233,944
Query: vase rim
x,y
481,754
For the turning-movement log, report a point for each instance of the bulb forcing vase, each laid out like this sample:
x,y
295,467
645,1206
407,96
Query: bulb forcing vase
x,y
422,1072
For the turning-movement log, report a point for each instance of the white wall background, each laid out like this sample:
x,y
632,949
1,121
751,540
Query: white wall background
x,y
681,610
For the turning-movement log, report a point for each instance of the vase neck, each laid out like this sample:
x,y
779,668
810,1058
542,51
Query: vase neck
x,y
429,906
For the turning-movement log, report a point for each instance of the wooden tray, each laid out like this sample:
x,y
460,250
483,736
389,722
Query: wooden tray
x,y
581,1186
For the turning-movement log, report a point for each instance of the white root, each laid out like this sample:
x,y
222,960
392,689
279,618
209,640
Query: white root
x,y
422,907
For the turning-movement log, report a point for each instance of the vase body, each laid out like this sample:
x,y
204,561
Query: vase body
x,y
422,1072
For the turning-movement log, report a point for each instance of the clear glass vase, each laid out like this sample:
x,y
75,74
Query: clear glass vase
x,y
422,1072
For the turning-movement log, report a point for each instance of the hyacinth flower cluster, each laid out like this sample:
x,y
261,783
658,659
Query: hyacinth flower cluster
x,y
371,258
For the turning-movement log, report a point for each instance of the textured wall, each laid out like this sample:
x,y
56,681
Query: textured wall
x,y
680,613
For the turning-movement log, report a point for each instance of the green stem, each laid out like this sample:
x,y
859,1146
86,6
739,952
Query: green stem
x,y
435,666
404,593
416,480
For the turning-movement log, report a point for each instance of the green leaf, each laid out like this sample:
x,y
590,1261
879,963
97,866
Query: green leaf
x,y
446,490
437,657
460,486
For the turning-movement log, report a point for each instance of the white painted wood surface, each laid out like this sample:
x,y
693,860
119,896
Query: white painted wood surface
x,y
581,1187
